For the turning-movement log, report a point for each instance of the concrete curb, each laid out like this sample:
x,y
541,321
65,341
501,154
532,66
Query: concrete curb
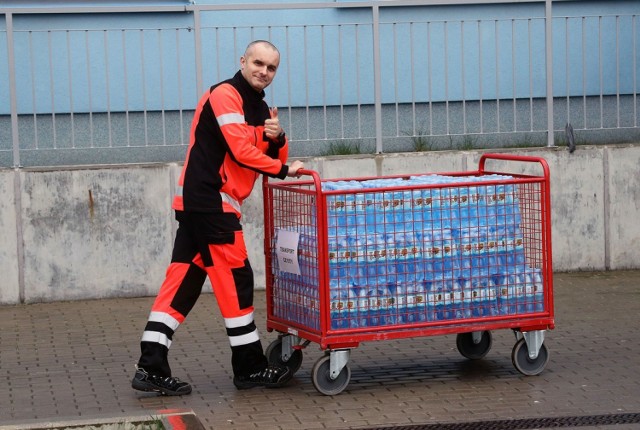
x,y
171,419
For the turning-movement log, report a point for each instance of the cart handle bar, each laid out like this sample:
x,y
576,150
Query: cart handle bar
x,y
314,175
511,157
307,172
481,165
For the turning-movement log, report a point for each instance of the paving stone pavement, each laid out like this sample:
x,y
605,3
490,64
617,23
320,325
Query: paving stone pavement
x,y
74,361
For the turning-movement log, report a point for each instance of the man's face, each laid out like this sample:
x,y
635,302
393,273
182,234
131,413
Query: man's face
x,y
259,66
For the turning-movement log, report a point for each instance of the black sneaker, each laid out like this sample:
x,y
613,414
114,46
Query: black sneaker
x,y
273,376
165,385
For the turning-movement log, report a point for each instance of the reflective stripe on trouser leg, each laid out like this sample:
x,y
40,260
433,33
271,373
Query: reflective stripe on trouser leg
x,y
241,330
232,281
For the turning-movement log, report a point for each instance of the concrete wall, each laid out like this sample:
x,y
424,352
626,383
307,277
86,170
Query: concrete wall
x,y
107,231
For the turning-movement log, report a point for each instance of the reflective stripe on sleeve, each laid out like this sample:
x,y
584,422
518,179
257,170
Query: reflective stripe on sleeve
x,y
230,118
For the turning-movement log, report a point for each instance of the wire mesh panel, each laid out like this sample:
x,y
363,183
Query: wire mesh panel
x,y
422,250
294,289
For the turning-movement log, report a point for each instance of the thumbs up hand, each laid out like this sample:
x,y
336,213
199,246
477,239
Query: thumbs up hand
x,y
272,125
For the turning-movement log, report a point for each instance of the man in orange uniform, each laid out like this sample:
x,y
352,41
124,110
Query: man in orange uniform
x,y
235,137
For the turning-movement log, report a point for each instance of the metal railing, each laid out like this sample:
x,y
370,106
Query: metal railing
x,y
381,76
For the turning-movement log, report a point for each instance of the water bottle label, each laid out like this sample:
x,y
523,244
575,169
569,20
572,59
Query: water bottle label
x,y
417,202
492,245
336,203
479,247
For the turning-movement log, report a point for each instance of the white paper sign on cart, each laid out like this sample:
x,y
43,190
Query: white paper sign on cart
x,y
287,251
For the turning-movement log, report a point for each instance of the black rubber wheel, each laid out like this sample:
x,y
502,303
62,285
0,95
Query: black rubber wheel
x,y
471,350
274,356
321,378
524,364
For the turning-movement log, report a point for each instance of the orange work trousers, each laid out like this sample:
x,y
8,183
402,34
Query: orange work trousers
x,y
206,244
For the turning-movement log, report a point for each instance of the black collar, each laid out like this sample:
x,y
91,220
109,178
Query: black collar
x,y
246,89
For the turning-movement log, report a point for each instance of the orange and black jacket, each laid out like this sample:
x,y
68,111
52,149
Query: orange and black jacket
x,y
228,149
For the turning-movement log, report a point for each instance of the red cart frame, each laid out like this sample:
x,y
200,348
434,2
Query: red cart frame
x,y
301,303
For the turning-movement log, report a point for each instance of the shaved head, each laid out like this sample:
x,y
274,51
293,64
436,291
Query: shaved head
x,y
252,45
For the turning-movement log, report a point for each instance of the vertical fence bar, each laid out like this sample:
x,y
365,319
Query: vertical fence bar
x,y
144,90
377,87
464,88
288,66
584,73
549,63
395,76
217,78
446,77
162,105
52,87
197,40
272,101
634,57
324,81
179,84
480,69
33,91
340,77
126,87
358,83
567,81
70,77
429,74
530,76
89,92
413,80
497,45
15,139
618,71
600,72
306,80
89,88
513,75
105,40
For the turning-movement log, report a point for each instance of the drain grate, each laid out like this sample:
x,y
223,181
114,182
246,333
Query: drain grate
x,y
530,423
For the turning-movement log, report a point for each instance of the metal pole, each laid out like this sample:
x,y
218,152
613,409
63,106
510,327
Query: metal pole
x,y
197,30
17,183
376,77
12,90
549,61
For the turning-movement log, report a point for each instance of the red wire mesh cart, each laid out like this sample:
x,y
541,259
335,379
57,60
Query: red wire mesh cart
x,y
364,259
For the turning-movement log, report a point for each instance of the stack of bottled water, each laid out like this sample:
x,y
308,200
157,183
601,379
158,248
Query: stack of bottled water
x,y
423,248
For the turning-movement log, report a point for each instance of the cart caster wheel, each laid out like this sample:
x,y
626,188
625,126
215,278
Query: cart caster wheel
x,y
274,356
321,377
525,365
471,350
